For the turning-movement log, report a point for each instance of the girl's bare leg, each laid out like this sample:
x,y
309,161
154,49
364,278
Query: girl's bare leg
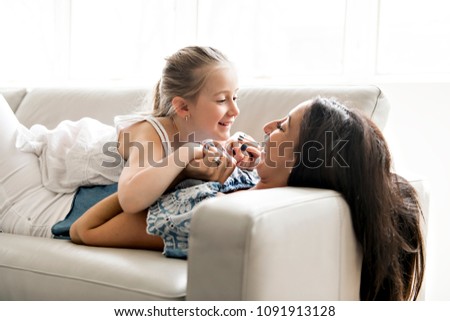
x,y
105,224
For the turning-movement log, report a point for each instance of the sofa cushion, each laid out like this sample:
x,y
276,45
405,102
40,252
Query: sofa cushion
x,y
13,96
61,270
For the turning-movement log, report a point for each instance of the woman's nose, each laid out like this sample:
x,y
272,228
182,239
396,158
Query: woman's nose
x,y
269,127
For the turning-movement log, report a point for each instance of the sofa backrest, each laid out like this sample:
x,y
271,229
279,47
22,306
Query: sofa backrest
x,y
258,105
50,106
266,104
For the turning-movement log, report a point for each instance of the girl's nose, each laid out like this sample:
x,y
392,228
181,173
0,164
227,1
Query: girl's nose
x,y
234,109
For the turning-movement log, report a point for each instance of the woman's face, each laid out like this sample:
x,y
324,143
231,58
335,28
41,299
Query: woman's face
x,y
278,158
215,108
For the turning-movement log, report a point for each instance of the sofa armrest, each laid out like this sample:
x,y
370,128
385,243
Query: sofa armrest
x,y
275,244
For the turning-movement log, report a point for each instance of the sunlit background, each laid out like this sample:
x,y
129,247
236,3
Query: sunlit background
x,y
402,46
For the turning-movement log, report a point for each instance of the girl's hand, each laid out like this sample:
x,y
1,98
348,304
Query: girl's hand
x,y
245,150
189,152
214,165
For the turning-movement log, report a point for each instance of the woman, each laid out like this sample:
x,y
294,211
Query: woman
x,y
385,210
321,144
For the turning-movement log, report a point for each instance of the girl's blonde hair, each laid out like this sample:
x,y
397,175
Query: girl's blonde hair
x,y
184,75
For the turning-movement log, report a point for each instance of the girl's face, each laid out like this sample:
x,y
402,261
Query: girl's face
x,y
278,158
215,109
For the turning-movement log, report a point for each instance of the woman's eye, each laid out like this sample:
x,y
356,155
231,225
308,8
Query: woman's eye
x,y
221,101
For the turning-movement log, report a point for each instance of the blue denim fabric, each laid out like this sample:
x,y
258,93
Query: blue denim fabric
x,y
170,216
85,198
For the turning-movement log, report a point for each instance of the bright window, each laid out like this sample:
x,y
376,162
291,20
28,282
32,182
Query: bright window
x,y
271,41
127,39
276,39
414,37
31,42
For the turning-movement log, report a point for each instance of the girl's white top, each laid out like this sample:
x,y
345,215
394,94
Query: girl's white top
x,y
80,153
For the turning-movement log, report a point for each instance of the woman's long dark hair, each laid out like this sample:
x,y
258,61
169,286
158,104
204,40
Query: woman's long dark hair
x,y
343,150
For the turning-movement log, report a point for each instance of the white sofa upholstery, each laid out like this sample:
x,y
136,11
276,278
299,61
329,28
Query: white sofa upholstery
x,y
279,244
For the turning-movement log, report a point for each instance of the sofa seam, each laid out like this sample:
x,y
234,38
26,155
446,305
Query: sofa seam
x,y
376,101
88,281
25,94
308,200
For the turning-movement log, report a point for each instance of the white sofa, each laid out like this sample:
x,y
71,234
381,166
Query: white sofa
x,y
278,244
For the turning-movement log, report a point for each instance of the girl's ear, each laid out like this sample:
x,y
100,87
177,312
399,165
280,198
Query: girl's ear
x,y
180,106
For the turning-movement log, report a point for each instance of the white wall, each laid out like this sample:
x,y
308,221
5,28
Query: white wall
x,y
417,132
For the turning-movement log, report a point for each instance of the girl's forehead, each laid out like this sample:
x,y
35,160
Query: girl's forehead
x,y
220,78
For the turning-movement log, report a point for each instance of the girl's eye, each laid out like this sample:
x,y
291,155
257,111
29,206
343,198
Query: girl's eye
x,y
224,100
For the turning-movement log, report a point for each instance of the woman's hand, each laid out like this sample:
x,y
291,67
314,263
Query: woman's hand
x,y
245,150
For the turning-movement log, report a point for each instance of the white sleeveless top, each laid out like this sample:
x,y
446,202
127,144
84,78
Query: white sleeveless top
x,y
45,167
81,153
124,121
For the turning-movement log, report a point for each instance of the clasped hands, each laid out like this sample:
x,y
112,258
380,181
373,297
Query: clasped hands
x,y
219,159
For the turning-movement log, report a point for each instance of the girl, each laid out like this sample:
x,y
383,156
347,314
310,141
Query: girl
x,y
194,99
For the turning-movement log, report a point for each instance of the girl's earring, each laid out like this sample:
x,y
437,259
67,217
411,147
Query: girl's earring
x,y
186,118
